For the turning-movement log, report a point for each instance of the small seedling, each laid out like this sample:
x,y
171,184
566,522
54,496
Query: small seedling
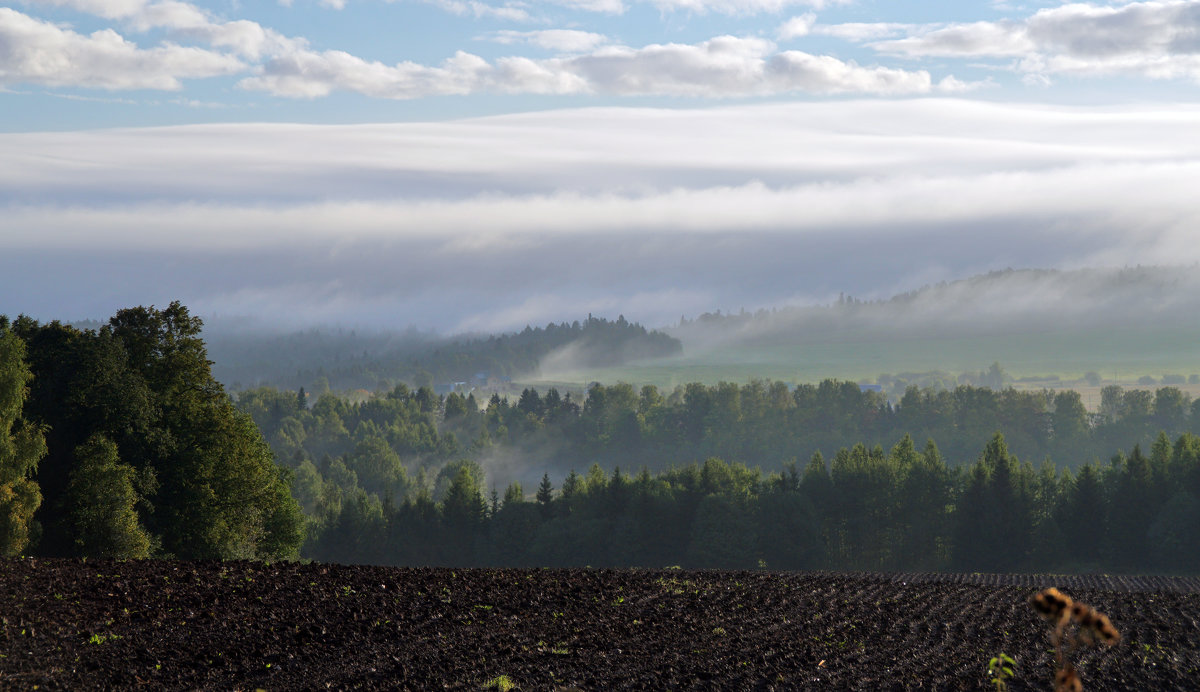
x,y
1001,669
503,683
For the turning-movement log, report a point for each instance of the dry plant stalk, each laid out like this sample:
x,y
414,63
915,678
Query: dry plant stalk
x,y
1092,628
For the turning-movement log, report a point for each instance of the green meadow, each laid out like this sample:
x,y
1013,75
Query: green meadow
x,y
1117,354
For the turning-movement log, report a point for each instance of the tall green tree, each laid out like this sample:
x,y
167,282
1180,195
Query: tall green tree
x,y
1083,518
463,514
221,494
22,445
994,528
1069,419
924,505
1131,510
103,501
545,497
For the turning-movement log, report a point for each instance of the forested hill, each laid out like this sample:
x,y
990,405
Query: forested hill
x,y
996,302
344,359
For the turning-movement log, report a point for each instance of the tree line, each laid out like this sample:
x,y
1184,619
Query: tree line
x,y
382,444
865,510
403,478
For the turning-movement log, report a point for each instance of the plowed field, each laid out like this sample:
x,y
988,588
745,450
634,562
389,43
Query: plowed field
x,y
240,625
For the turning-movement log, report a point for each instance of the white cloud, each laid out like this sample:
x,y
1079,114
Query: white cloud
x,y
864,31
602,6
109,9
169,14
1158,39
822,74
516,11
742,7
183,20
38,52
480,10
561,40
725,66
952,85
721,67
307,74
796,26
1002,39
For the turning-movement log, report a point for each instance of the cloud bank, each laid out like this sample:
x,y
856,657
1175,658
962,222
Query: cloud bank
x,y
495,222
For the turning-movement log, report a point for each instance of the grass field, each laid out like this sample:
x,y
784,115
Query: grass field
x,y
1119,355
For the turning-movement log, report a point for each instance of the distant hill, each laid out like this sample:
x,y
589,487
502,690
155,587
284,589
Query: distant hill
x,y
344,359
1126,324
1027,300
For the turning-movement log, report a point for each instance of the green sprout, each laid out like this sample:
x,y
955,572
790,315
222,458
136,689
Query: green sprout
x,y
1001,670
500,682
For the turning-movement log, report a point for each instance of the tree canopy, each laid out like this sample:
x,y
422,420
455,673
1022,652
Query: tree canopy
x,y
132,408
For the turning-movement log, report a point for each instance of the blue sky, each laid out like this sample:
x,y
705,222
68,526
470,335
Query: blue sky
x,y
145,62
472,164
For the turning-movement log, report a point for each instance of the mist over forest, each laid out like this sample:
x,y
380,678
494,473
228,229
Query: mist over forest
x,y
395,448
1122,322
1007,301
343,359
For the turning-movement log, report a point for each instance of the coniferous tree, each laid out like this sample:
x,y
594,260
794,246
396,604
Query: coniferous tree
x,y
1131,510
463,514
1084,517
545,496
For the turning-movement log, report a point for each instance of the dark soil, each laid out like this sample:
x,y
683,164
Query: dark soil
x,y
240,625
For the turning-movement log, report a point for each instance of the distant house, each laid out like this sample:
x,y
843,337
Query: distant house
x,y
870,387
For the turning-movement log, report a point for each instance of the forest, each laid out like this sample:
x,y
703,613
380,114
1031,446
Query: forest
x,y
409,477
865,510
759,424
119,442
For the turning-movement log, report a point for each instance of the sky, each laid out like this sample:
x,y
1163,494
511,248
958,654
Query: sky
x,y
467,165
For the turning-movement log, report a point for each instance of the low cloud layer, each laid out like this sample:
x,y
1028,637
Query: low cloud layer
x,y
497,222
